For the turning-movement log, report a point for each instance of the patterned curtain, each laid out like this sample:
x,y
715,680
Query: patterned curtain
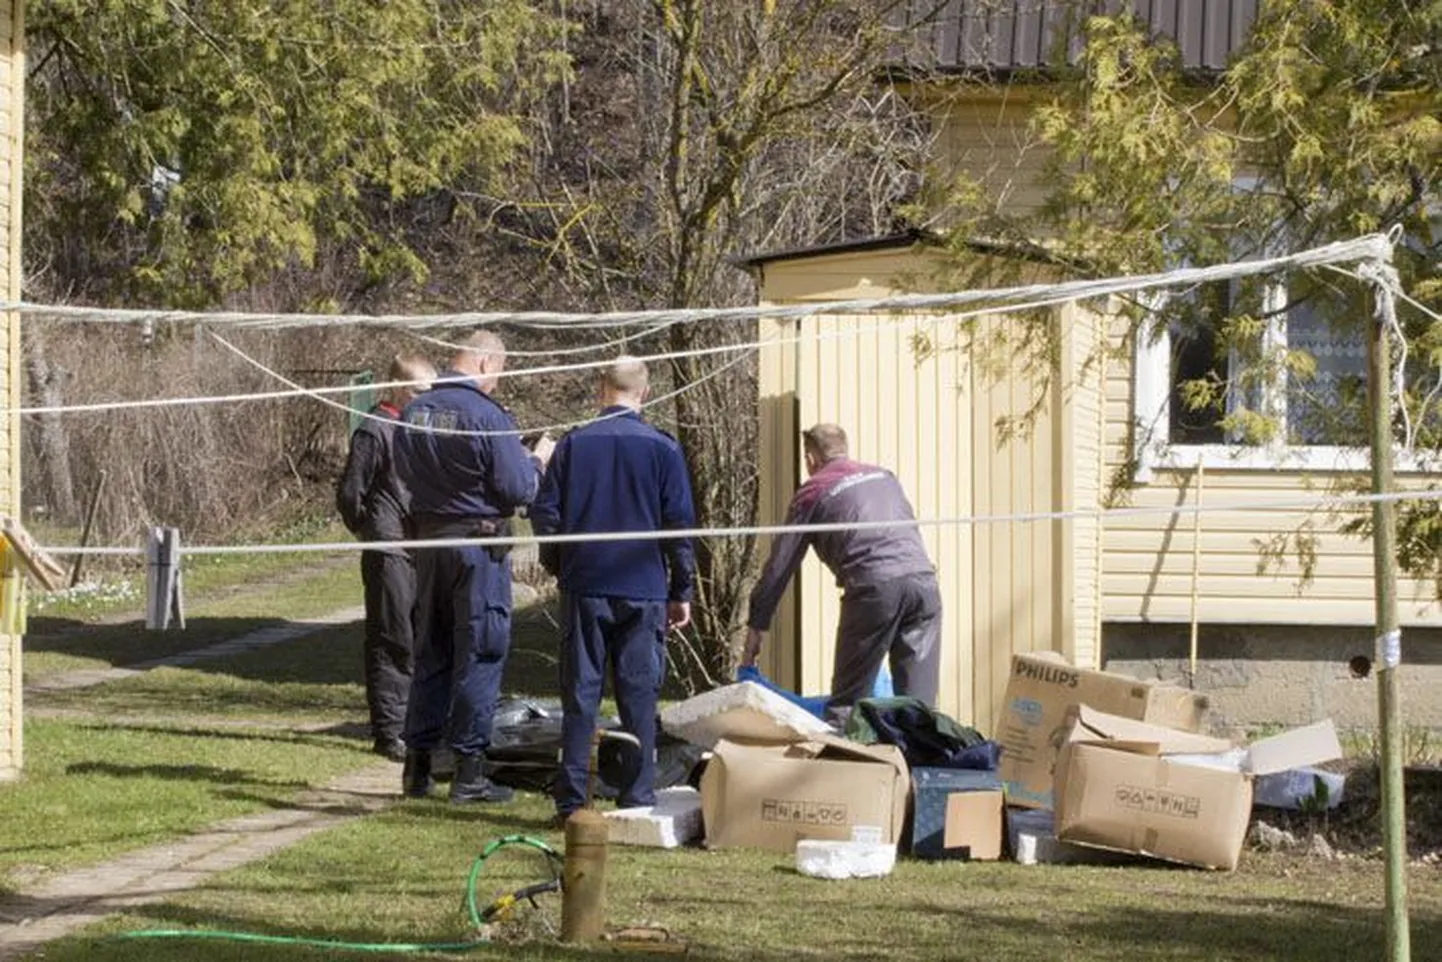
x,y
1328,407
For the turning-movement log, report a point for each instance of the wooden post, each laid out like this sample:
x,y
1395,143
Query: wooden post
x,y
583,877
85,531
1197,481
1388,655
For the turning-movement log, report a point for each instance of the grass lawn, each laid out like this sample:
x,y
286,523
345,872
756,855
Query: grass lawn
x,y
93,789
399,877
139,760
308,587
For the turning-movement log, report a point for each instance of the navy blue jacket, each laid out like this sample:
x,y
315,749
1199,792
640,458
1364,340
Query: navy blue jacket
x,y
454,477
618,474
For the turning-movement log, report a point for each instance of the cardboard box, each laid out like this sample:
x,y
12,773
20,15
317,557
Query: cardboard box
x,y
772,796
973,826
930,788
1042,689
1132,787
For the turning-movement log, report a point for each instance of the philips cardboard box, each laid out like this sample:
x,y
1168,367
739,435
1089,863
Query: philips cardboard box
x,y
772,796
1132,787
1043,687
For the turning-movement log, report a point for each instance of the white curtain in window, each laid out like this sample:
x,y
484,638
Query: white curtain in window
x,y
1322,409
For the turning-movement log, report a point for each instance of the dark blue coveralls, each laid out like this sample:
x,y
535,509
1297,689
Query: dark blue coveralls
x,y
461,486
617,474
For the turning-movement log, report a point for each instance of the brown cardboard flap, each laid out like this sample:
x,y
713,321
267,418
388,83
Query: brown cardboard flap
x,y
1140,738
1293,749
830,746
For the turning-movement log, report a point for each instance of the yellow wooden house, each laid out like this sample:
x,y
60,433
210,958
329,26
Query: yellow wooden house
x,y
12,125
1273,646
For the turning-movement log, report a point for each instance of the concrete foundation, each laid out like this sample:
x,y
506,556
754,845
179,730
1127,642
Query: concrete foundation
x,y
1261,675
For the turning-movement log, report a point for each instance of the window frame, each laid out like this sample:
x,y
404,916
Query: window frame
x,y
1151,411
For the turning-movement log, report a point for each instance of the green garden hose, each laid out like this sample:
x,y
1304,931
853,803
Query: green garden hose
x,y
479,917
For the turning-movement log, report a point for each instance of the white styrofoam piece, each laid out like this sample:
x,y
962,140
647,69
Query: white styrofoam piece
x,y
674,820
1042,848
824,858
743,712
1232,761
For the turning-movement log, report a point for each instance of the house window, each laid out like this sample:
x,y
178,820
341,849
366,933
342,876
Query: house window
x,y
1299,372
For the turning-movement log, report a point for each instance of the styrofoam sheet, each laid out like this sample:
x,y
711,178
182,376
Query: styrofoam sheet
x,y
743,712
829,859
673,821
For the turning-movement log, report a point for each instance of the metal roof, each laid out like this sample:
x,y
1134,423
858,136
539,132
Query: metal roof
x,y
1003,36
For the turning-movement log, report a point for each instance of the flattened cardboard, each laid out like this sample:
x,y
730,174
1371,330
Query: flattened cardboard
x,y
1033,724
772,796
1297,748
973,826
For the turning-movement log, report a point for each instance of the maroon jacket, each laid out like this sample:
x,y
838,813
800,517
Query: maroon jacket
x,y
843,490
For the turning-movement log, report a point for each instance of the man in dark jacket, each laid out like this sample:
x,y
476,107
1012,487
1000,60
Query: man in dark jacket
x,y
890,603
373,503
468,473
619,597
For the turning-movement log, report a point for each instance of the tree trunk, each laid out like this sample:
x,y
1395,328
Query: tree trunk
x,y
58,483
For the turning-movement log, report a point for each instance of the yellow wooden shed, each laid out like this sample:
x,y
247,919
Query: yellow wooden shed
x,y
920,395
930,397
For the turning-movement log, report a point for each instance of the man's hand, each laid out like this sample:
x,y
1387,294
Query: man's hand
x,y
542,451
753,646
678,614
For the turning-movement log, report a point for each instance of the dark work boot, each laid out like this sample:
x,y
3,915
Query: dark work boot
x,y
470,783
416,781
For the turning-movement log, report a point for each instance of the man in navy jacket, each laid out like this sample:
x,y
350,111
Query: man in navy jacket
x,y
467,472
619,597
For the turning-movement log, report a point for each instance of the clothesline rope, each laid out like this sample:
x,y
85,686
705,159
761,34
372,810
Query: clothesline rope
x,y
1003,300
1329,502
1373,247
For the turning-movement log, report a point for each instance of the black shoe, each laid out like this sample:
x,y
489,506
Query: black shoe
x,y
390,748
470,783
416,781
557,822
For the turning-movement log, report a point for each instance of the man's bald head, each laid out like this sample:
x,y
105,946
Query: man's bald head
x,y
482,355
825,442
625,382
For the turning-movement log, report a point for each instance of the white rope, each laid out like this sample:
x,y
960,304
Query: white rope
x,y
427,429
753,530
1386,285
1373,247
1048,296
621,341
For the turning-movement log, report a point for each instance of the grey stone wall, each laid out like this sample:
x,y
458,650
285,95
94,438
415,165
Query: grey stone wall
x,y
1259,675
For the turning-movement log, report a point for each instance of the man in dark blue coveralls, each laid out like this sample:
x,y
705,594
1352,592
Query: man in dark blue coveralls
x,y
467,477
618,597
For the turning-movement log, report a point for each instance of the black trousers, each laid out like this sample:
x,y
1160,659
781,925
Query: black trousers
x,y
899,621
390,593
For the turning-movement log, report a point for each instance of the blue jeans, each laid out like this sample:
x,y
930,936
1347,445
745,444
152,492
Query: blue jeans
x,y
631,636
462,636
